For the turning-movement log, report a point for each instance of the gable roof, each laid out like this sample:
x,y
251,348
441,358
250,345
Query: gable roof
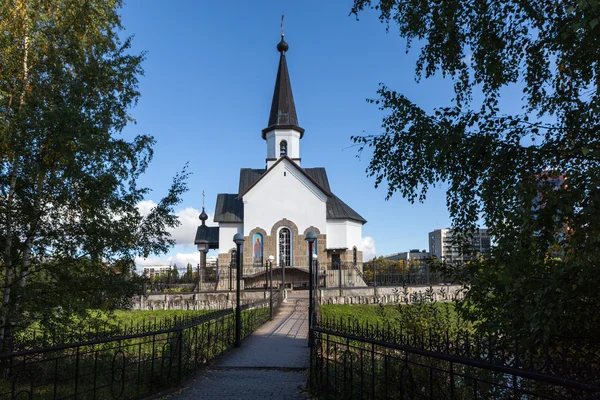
x,y
229,208
209,234
320,176
248,176
337,209
302,171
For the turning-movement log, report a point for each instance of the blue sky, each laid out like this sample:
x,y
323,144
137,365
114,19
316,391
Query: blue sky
x,y
209,76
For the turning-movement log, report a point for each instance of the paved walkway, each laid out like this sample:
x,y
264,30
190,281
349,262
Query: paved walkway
x,y
270,364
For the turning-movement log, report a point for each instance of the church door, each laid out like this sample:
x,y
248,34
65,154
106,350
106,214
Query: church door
x,y
335,261
284,247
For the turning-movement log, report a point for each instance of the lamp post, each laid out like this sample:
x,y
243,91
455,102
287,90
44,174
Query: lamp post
x,y
282,265
317,277
238,239
310,238
271,258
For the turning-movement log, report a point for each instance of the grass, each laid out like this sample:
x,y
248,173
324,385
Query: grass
x,y
127,368
135,317
419,316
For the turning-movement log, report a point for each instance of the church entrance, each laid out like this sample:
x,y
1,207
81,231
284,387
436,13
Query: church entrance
x,y
335,261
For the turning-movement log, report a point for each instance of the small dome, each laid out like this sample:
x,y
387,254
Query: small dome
x,y
203,216
282,47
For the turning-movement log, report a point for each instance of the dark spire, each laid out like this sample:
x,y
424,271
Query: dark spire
x,y
283,111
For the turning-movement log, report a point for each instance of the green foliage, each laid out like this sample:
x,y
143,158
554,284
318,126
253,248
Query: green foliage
x,y
69,223
532,177
189,274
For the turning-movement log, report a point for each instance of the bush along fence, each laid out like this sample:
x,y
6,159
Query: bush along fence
x,y
350,360
128,366
49,336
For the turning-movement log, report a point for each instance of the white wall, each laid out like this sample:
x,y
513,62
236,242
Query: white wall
x,y
343,233
275,137
354,234
284,193
226,232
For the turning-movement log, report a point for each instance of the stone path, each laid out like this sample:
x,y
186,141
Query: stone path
x,y
270,364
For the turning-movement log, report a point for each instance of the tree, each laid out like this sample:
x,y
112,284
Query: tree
x,y
189,273
69,223
532,177
175,272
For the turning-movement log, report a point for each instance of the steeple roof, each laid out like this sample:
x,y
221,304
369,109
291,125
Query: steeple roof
x,y
283,111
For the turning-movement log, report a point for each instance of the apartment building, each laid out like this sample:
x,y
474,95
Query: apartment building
x,y
441,244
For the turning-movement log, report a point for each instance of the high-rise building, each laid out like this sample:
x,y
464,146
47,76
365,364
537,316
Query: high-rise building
x,y
442,246
414,254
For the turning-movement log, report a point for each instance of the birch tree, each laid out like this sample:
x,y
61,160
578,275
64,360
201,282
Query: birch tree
x,y
531,176
69,225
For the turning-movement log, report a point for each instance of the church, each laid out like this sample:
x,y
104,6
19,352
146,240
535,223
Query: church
x,y
275,224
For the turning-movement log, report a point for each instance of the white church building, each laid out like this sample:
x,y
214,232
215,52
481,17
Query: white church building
x,y
276,224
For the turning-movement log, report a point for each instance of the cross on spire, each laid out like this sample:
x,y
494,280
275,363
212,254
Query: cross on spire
x,y
282,33
203,216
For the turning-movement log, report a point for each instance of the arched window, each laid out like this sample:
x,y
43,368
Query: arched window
x,y
354,255
233,258
282,148
285,247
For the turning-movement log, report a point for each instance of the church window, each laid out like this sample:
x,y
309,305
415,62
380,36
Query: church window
x,y
233,258
285,248
354,255
282,148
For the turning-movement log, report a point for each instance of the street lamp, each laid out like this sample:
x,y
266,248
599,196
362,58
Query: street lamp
x,y
271,258
282,265
238,239
318,280
310,237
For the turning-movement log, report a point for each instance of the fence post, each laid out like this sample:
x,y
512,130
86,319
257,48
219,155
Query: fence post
x,y
180,340
340,276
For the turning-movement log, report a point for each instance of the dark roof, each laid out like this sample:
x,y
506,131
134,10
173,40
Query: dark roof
x,y
337,209
229,208
247,178
320,176
283,110
209,234
310,178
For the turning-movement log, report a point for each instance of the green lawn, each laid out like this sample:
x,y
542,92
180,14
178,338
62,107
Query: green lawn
x,y
419,316
134,317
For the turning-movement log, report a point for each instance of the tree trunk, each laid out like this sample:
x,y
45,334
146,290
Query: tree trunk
x,y
7,296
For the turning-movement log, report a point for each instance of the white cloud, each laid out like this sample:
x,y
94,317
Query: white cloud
x,y
186,231
368,248
188,218
145,206
181,259
184,236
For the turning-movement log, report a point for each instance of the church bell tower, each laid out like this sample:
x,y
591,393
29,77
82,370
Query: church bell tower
x,y
282,133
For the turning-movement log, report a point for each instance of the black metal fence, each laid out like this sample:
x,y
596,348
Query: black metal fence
x,y
389,273
127,366
37,338
353,361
